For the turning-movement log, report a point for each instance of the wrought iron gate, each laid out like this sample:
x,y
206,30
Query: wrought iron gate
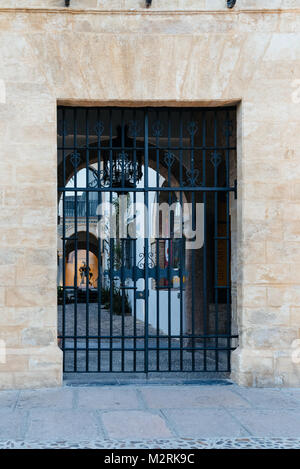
x,y
144,238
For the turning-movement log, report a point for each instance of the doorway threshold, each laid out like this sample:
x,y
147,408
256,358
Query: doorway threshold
x,y
143,379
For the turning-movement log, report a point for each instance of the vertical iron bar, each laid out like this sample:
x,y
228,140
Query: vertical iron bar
x,y
169,251
216,246
111,250
99,282
157,228
146,247
182,256
228,280
64,241
193,253
205,293
134,253
122,242
76,239
87,239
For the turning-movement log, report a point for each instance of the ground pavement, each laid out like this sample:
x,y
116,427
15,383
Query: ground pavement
x,y
147,415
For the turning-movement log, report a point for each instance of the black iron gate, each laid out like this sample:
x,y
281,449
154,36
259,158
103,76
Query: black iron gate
x,y
144,238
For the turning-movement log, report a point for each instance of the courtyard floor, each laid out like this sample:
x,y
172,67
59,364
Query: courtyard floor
x,y
133,358
146,415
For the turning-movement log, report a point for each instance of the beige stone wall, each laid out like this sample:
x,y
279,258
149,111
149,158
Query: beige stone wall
x,y
176,57
157,5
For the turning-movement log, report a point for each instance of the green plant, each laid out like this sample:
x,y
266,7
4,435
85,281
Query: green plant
x,y
105,295
118,301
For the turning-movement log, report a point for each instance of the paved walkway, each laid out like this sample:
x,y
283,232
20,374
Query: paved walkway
x,y
133,357
150,416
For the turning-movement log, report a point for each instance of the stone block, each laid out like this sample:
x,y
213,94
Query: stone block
x,y
37,336
272,338
254,296
38,379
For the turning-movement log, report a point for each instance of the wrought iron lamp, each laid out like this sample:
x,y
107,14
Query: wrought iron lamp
x,y
123,161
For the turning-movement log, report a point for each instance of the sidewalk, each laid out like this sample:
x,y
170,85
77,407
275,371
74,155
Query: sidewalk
x,y
150,416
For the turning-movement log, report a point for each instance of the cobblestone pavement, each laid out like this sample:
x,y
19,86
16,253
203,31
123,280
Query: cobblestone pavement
x,y
130,361
200,415
174,443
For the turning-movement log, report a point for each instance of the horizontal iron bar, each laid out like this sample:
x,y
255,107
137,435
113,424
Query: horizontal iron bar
x,y
152,336
136,349
149,189
165,370
150,109
141,148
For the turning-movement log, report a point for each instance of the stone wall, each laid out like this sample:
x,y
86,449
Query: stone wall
x,y
135,56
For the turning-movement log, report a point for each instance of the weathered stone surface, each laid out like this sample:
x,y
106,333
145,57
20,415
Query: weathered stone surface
x,y
135,424
12,423
276,424
107,398
176,53
53,399
206,396
37,336
62,424
204,423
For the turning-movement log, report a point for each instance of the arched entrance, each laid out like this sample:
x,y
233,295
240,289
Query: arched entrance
x,y
145,236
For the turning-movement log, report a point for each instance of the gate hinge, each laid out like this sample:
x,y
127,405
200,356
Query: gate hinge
x,y
235,189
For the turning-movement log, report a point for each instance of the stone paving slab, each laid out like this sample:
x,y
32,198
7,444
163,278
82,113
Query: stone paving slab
x,y
8,399
268,398
271,422
209,396
135,424
12,423
45,425
57,398
153,413
107,398
292,393
208,423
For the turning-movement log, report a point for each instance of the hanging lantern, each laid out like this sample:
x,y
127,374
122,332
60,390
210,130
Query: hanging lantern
x,y
122,161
